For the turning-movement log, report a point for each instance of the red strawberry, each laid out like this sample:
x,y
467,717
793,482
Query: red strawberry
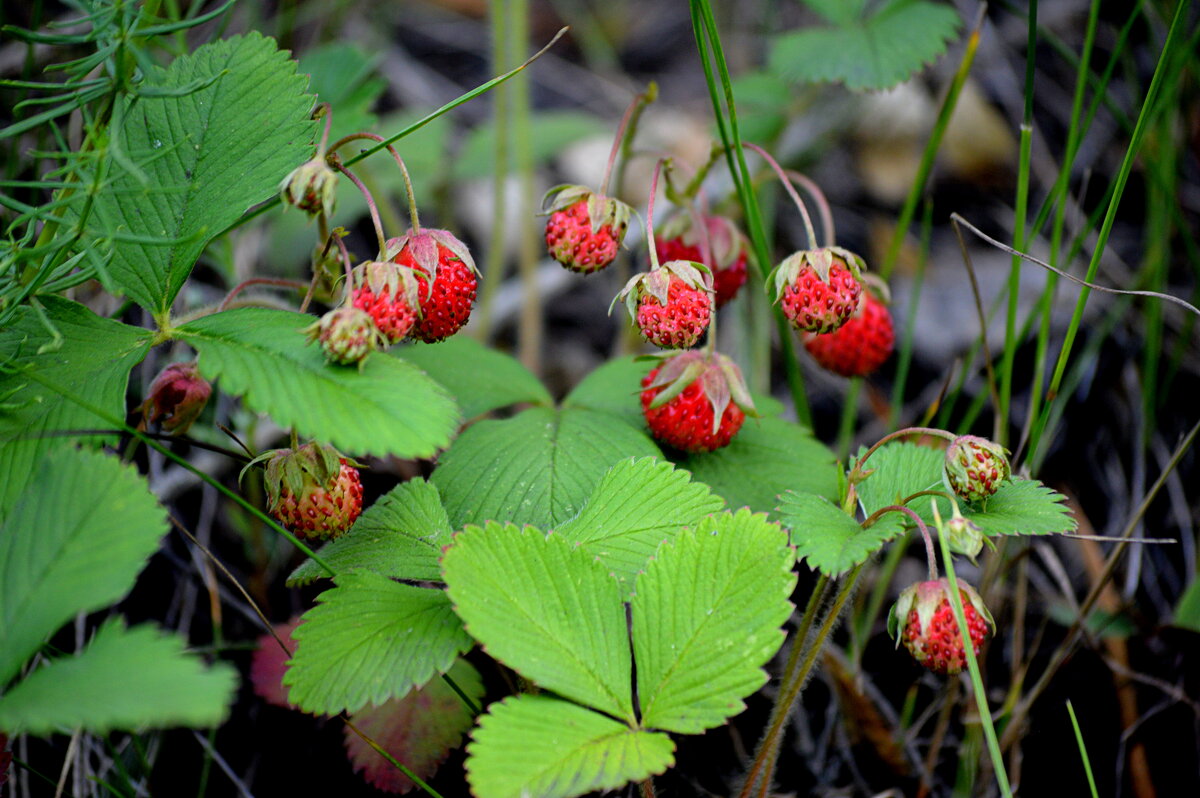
x,y
679,241
388,293
859,346
671,304
924,620
347,334
437,256
819,288
177,397
695,402
585,229
975,467
314,491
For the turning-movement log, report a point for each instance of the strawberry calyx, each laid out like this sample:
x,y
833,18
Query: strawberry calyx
x,y
821,261
726,242
601,210
656,283
719,377
311,187
423,247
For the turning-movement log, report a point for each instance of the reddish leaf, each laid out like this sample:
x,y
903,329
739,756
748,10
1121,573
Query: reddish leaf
x,y
269,663
418,730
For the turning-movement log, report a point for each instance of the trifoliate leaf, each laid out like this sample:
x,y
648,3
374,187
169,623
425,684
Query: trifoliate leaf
x,y
545,609
829,539
707,614
539,745
538,467
637,505
765,458
480,379
388,407
40,379
73,543
900,470
370,639
126,679
418,730
875,52
401,536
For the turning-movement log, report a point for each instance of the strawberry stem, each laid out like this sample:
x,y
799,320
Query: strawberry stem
x,y
939,433
414,220
658,167
278,281
327,110
930,554
787,184
347,297
818,196
337,164
635,106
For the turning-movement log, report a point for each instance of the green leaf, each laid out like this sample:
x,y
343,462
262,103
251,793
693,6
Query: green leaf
x,y
342,75
538,467
878,52
638,505
205,158
418,730
900,470
479,379
400,536
613,388
545,609
538,745
1187,612
706,617
838,12
370,639
1020,507
74,543
829,539
763,101
127,679
92,363
387,408
767,457
555,131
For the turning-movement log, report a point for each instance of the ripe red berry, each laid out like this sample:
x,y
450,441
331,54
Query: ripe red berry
x,y
388,294
585,229
974,467
446,306
671,304
819,288
680,241
313,491
859,346
695,402
924,621
177,396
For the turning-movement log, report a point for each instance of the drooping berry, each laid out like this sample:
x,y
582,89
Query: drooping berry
x,y
388,293
437,257
314,491
858,347
311,187
923,620
347,334
975,467
695,402
819,289
585,229
670,304
177,396
680,240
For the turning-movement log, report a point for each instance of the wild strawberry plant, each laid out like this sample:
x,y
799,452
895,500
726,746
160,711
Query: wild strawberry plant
x,y
630,552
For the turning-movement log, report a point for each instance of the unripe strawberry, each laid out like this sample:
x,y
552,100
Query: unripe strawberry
x,y
585,229
177,397
695,402
974,467
313,490
859,346
445,277
347,334
923,620
311,187
679,240
819,289
670,304
388,293
964,536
